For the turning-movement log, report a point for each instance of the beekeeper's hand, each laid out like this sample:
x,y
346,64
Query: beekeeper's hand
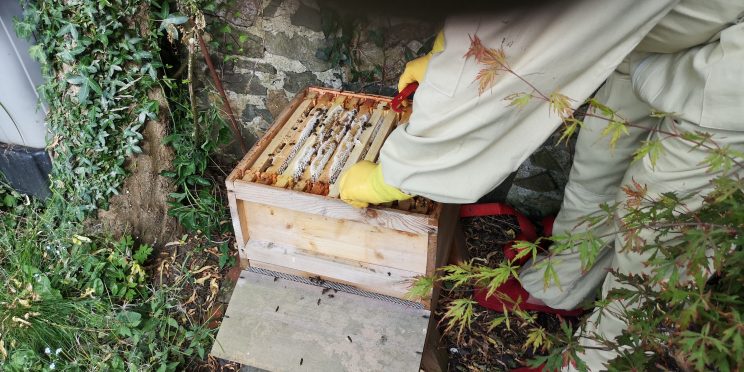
x,y
415,69
363,184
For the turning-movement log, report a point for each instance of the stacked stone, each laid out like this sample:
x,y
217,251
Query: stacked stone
x,y
280,55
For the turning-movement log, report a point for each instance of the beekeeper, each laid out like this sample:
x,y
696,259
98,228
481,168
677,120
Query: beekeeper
x,y
682,57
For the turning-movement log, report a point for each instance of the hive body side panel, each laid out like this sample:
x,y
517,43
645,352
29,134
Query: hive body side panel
x,y
334,208
240,226
337,238
366,276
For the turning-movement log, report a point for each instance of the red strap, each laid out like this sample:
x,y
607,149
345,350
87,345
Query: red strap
x,y
499,209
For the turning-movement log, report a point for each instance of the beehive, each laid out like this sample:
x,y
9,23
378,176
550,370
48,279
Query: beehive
x,y
287,215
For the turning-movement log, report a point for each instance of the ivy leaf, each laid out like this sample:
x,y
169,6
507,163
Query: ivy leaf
x,y
68,28
37,52
173,19
83,93
130,318
76,80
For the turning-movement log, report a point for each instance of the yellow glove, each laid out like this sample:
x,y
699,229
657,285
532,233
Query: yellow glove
x,y
363,184
415,69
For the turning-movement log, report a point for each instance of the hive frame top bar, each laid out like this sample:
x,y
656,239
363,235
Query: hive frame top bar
x,y
282,119
350,94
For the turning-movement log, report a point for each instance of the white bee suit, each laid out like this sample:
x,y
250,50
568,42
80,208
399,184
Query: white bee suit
x,y
685,58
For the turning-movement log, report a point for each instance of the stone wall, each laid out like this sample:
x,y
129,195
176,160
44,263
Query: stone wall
x,y
268,50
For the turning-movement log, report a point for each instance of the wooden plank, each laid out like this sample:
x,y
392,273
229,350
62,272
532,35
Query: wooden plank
x,y
352,104
328,126
440,244
334,208
460,252
436,356
260,146
273,325
383,99
240,227
369,277
289,129
385,129
358,151
337,238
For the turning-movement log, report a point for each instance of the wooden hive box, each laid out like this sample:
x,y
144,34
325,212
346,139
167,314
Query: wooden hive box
x,y
288,217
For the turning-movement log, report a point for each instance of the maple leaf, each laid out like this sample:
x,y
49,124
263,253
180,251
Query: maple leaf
x,y
635,192
485,78
493,59
519,100
561,105
476,49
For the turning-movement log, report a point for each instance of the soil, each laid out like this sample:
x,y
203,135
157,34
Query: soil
x,y
207,288
478,348
141,208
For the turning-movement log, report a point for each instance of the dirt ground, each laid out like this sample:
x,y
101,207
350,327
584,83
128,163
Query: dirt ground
x,y
141,208
480,348
193,266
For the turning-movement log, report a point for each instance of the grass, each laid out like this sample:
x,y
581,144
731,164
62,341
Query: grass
x,y
73,302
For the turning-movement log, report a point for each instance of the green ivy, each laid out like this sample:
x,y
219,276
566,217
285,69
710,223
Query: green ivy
x,y
99,64
197,204
73,301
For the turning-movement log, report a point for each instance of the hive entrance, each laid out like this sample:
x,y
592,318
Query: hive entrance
x,y
328,133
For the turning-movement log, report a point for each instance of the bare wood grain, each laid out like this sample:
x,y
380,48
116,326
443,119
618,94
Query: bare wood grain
x,y
333,208
359,149
362,275
387,127
337,238
239,224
